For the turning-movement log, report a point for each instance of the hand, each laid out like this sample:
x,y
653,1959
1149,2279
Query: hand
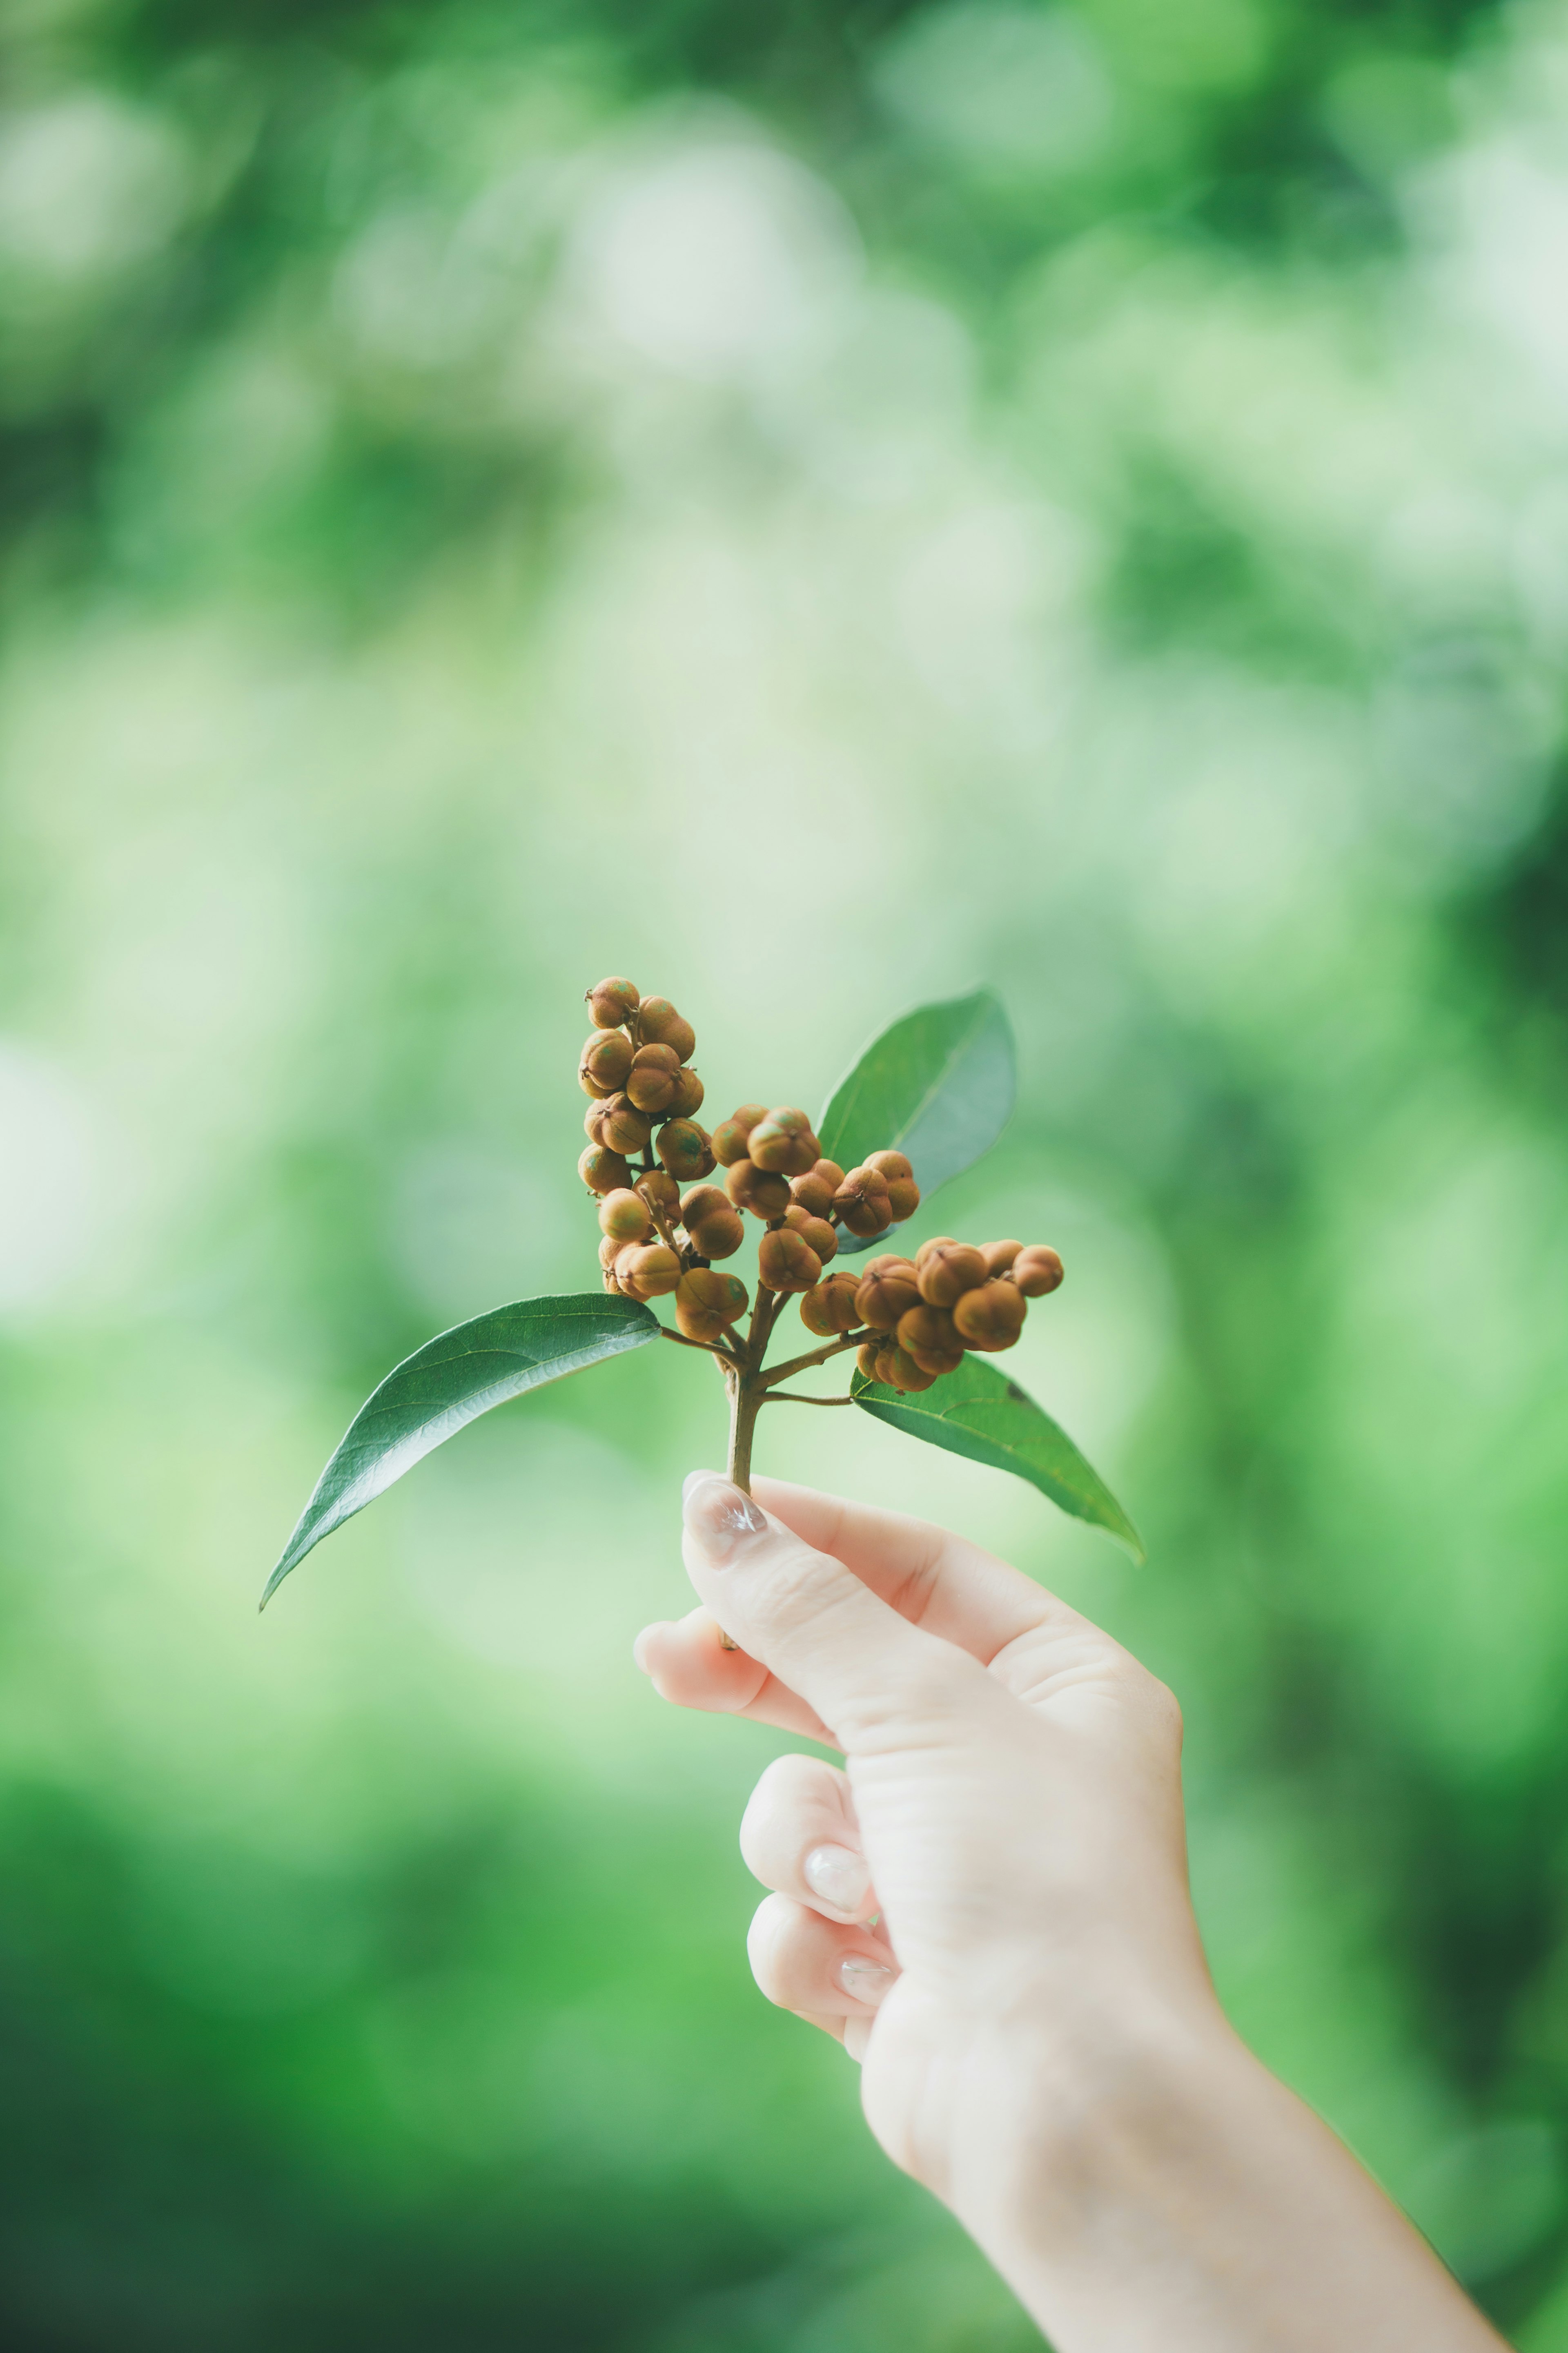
x,y
989,1905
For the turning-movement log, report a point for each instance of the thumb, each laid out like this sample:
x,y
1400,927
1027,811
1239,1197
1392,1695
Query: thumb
x,y
853,1659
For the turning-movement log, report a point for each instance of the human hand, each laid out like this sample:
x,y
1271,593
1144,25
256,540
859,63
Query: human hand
x,y
989,1905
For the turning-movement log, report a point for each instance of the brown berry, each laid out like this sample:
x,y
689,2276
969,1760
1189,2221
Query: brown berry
x,y
623,1216
829,1307
937,1361
999,1256
929,1332
624,1128
609,1251
685,1151
687,1099
611,1002
784,1143
654,1075
647,1269
991,1316
605,1059
786,1263
713,1227
658,1024
1037,1270
861,1202
891,1164
765,1195
730,1137
610,1283
812,1191
661,1193
903,1198
814,1230
706,1302
948,1272
594,1121
866,1357
937,1241
905,1373
887,1290
884,1356
602,1170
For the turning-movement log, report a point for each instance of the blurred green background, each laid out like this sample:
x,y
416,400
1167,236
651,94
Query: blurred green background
x,y
810,507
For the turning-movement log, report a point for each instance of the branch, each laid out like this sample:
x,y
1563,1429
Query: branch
x,y
797,1397
709,1347
804,1363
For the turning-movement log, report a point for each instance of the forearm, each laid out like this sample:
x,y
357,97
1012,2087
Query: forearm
x,y
1174,2196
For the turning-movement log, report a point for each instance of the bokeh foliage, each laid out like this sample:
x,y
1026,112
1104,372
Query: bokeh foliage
x,y
808,506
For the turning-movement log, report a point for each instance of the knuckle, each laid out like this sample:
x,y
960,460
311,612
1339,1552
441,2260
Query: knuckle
x,y
784,1789
767,1945
794,1584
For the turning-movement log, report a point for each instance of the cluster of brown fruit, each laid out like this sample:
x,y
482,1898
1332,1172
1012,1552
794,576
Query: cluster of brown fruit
x,y
923,1313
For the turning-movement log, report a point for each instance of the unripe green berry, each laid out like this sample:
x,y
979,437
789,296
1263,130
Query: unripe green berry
x,y
652,1082
730,1134
991,1317
947,1273
602,1170
707,1303
684,1148
783,1142
658,1024
611,1002
786,1263
625,1217
766,1196
647,1269
828,1308
605,1059
1036,1270
624,1127
887,1290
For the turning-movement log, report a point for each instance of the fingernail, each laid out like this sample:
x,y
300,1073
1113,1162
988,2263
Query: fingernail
x,y
840,1877
865,1981
720,1517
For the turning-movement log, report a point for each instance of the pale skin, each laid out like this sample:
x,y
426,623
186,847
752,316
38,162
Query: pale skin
x,y
988,1907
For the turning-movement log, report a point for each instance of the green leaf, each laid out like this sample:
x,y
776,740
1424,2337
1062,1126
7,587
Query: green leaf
x,y
939,1085
977,1412
449,1382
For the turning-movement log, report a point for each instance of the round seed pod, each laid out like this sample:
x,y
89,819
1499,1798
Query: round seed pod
x,y
594,1121
609,1251
937,1241
730,1135
707,1302
887,1290
605,1059
929,1332
624,1217
658,1024
991,1317
655,1075
861,1202
611,1002
866,1357
906,1374
884,1355
1037,1270
903,1198
948,1272
999,1256
816,1232
624,1128
687,1096
786,1263
828,1308
891,1164
783,1142
685,1150
611,1285
647,1269
604,1171
764,1195
661,1193
718,1235
813,1193
703,1201
621,1272
937,1361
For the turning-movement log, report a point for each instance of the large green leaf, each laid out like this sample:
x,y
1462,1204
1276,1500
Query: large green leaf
x,y
939,1085
979,1412
448,1383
